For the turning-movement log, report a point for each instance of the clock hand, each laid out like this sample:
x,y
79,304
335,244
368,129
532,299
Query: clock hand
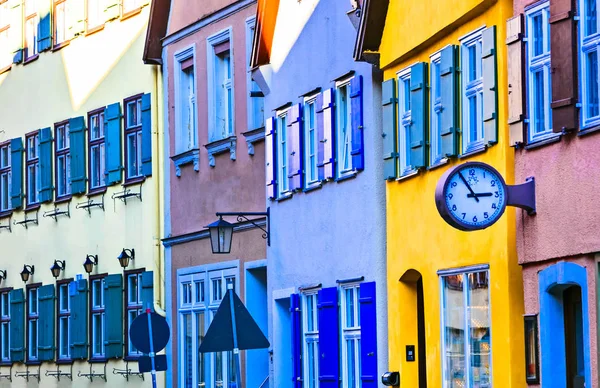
x,y
479,195
468,187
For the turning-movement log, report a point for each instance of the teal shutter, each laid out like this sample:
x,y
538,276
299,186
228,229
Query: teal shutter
x,y
490,85
77,144
46,323
148,290
146,135
449,101
111,10
16,168
17,325
112,133
46,187
113,325
390,144
44,25
16,30
78,326
418,114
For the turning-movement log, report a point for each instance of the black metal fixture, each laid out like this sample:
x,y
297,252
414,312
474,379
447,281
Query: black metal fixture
x,y
89,263
125,256
57,267
2,275
221,231
27,270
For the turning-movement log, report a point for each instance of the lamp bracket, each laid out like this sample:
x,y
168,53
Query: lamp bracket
x,y
58,373
7,376
127,193
127,372
243,217
57,212
7,226
26,221
27,374
93,374
89,204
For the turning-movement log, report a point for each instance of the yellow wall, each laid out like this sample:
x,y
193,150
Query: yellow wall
x,y
417,236
92,72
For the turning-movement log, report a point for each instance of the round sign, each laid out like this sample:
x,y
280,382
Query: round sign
x,y
139,332
471,196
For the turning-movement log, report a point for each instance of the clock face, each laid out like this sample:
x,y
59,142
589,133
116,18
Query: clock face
x,y
474,196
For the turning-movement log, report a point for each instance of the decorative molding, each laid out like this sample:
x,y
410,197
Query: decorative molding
x,y
187,157
254,136
220,146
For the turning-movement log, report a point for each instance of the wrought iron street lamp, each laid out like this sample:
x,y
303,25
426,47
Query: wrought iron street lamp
x,y
57,267
89,263
125,256
27,270
221,231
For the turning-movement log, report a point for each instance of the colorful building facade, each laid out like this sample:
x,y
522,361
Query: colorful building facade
x,y
79,185
454,298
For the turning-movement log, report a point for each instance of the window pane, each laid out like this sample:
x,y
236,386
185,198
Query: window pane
x,y
351,353
64,297
592,84
282,129
33,304
454,331
473,118
31,36
64,337
539,123
33,338
479,331
199,292
97,293
312,381
4,157
538,34
187,350
4,192
218,372
98,348
591,26
217,291
133,112
5,341
310,323
200,337
60,22
5,305
133,289
231,370
349,295
131,155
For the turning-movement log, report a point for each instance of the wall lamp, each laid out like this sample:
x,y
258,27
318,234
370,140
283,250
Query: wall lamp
x,y
89,263
125,256
27,270
57,267
2,275
221,231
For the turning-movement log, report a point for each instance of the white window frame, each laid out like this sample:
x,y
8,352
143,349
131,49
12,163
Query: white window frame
x,y
184,140
5,35
33,316
435,119
283,183
102,315
311,167
99,147
65,172
540,63
212,84
587,44
404,123
63,320
5,313
351,333
339,135
33,168
133,306
469,89
310,337
5,174
255,104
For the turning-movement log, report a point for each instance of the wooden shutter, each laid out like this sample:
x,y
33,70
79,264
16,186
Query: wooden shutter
x,y
112,135
563,45
44,28
17,325
329,359
146,135
76,17
490,85
111,10
147,290
296,317
78,324
46,321
16,30
449,101
16,173
356,123
113,325
389,105
516,79
295,159
78,151
326,134
46,182
418,113
368,335
271,157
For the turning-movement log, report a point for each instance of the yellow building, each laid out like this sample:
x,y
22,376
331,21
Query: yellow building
x,y
455,296
79,182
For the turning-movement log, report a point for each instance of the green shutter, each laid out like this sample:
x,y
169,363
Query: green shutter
x,y
16,30
44,25
449,101
418,114
148,290
46,323
76,17
146,135
112,133
77,149
113,325
390,144
46,186
16,168
111,10
78,325
17,325
490,85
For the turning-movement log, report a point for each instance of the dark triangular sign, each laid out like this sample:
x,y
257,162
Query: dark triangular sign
x,y
219,337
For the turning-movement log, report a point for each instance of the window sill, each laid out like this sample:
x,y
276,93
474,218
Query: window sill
x,y
97,360
407,175
589,130
97,191
134,181
5,69
131,13
131,358
285,196
219,147
543,142
252,137
312,187
6,363
33,362
66,198
64,362
94,30
187,157
31,59
61,45
439,163
6,214
346,176
31,208
472,152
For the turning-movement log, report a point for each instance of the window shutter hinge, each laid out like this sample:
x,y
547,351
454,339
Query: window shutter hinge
x,y
578,105
525,40
576,18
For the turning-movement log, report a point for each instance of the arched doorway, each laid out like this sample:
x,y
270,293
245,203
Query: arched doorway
x,y
413,279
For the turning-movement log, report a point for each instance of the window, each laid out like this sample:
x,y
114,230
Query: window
x,y
220,86
97,317
95,14
5,326
436,110
351,337
539,81
60,22
256,108
62,161
185,104
133,137
310,342
130,6
64,319
96,146
472,93
404,122
466,328
311,142
133,306
31,28
590,39
32,323
5,204
282,153
343,128
5,51
33,168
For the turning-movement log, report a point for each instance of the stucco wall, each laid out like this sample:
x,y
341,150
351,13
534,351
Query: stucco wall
x,y
184,13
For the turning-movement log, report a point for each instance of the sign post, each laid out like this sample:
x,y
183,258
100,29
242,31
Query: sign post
x,y
151,343
150,333
236,350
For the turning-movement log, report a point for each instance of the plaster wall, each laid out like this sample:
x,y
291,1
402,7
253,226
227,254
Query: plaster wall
x,y
337,231
184,13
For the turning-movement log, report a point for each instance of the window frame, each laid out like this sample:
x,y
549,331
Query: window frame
x,y
96,357
435,111
5,29
587,44
91,29
350,333
283,186
7,169
66,153
179,58
92,143
472,88
36,21
251,85
212,41
62,314
311,100
31,317
131,12
66,40
134,130
404,123
310,337
340,172
5,319
35,162
131,307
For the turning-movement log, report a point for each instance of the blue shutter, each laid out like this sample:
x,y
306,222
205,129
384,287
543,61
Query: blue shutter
x,y
368,335
17,325
356,121
296,340
271,157
16,168
329,359
490,82
326,134
112,133
148,290
295,158
113,325
78,325
77,149
449,101
46,323
46,165
390,144
418,113
146,135
44,28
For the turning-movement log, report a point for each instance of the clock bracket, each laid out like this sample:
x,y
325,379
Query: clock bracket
x,y
522,195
